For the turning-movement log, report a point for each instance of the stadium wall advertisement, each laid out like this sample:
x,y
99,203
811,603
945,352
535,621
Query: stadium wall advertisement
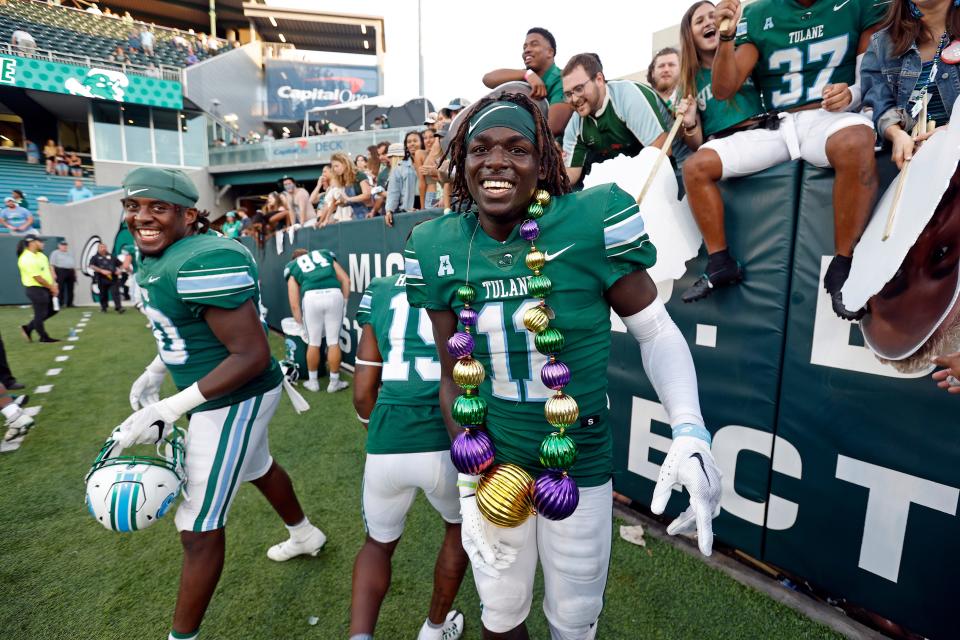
x,y
90,82
836,468
294,87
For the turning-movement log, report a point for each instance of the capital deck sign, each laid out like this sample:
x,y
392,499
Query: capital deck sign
x,y
295,87
90,82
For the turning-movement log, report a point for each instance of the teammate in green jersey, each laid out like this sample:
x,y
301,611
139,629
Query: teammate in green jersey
x,y
317,278
542,74
395,392
803,57
200,292
595,252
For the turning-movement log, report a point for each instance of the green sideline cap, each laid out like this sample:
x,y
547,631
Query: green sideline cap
x,y
169,185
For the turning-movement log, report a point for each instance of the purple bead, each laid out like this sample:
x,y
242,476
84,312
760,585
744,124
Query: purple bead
x,y
555,375
468,317
460,344
529,230
472,451
555,495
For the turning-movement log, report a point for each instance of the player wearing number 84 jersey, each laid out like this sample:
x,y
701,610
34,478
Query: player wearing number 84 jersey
x,y
802,55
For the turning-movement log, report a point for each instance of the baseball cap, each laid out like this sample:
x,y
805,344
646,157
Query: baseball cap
x,y
9,199
30,237
168,185
431,118
395,149
63,241
456,104
231,214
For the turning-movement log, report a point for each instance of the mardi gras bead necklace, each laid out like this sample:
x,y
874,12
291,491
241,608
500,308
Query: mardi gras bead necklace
x,y
506,494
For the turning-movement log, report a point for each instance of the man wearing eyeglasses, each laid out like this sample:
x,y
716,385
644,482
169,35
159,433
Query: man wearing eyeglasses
x,y
610,118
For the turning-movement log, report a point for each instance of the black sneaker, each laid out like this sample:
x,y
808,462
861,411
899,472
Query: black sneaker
x,y
13,386
26,333
706,283
48,339
121,310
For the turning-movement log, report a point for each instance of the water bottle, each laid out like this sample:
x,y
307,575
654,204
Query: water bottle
x,y
73,332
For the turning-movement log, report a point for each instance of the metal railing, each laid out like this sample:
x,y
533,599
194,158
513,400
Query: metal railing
x,y
163,72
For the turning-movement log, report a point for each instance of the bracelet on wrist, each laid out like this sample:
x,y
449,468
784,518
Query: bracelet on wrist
x,y
728,38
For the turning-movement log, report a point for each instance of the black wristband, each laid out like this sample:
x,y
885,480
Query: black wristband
x,y
724,38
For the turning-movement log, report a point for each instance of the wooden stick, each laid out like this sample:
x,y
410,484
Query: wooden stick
x,y
902,180
663,154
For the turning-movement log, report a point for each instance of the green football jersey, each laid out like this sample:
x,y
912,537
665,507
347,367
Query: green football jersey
x,y
591,239
719,115
313,270
553,79
194,273
411,370
803,49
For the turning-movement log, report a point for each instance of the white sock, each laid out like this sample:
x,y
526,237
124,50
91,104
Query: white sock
x,y
301,530
334,377
11,411
184,636
312,375
429,631
361,636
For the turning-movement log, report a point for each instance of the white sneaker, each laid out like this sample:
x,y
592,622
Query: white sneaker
x,y
18,427
337,385
290,548
453,625
311,385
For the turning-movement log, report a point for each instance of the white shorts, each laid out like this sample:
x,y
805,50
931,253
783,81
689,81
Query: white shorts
x,y
322,316
574,554
802,134
390,483
224,447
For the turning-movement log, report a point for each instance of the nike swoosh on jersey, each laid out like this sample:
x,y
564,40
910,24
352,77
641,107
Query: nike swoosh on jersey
x,y
837,7
152,279
550,256
133,192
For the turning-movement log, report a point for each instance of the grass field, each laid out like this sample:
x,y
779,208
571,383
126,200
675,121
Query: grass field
x,y
65,576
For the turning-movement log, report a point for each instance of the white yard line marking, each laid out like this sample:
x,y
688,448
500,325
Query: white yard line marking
x,y
69,347
54,372
73,338
61,358
44,388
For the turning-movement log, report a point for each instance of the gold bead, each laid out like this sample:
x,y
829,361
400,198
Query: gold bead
x,y
542,196
535,260
468,373
535,319
505,495
561,410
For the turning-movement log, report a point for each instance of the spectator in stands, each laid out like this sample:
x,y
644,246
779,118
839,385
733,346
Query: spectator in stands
x,y
274,213
23,41
268,135
213,45
379,169
15,218
356,186
323,184
94,9
38,283
127,17
415,151
32,151
360,164
133,42
896,74
60,162
334,208
50,155
402,185
431,121
78,192
180,43
65,270
663,73
296,200
449,112
718,130
21,199
107,273
541,73
119,56
191,58
427,173
232,227
75,164
146,41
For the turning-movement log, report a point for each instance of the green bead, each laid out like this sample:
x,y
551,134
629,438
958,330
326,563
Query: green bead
x,y
469,410
466,294
540,286
558,451
549,341
535,210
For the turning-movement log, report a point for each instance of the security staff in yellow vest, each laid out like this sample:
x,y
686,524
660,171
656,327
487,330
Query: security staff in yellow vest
x,y
40,286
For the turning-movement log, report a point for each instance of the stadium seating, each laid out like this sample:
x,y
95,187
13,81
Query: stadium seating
x,y
33,180
85,34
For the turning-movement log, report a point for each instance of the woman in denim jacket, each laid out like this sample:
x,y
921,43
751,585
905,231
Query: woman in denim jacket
x,y
897,64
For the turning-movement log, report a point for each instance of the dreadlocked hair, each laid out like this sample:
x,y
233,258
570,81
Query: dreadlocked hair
x,y
555,179
202,225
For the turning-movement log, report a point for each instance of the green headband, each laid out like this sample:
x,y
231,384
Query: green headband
x,y
503,114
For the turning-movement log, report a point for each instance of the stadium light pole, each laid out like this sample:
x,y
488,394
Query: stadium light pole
x,y
420,52
213,18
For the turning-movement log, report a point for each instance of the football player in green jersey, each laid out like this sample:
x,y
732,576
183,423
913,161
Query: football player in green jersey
x,y
395,392
317,278
542,73
803,56
595,252
201,294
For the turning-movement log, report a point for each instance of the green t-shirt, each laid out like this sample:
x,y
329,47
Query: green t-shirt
x,y
633,116
231,229
553,79
803,49
194,273
313,270
592,238
411,370
718,115
124,245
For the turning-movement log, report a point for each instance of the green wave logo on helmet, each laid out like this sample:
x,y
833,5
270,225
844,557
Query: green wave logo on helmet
x,y
105,84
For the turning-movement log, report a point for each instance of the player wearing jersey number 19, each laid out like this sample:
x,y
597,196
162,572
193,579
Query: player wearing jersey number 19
x,y
395,393
318,289
201,294
803,56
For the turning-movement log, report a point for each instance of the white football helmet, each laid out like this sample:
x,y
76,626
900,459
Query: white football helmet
x,y
290,370
127,493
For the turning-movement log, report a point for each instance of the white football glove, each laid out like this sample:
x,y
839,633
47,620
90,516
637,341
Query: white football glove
x,y
689,463
146,389
153,422
486,556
